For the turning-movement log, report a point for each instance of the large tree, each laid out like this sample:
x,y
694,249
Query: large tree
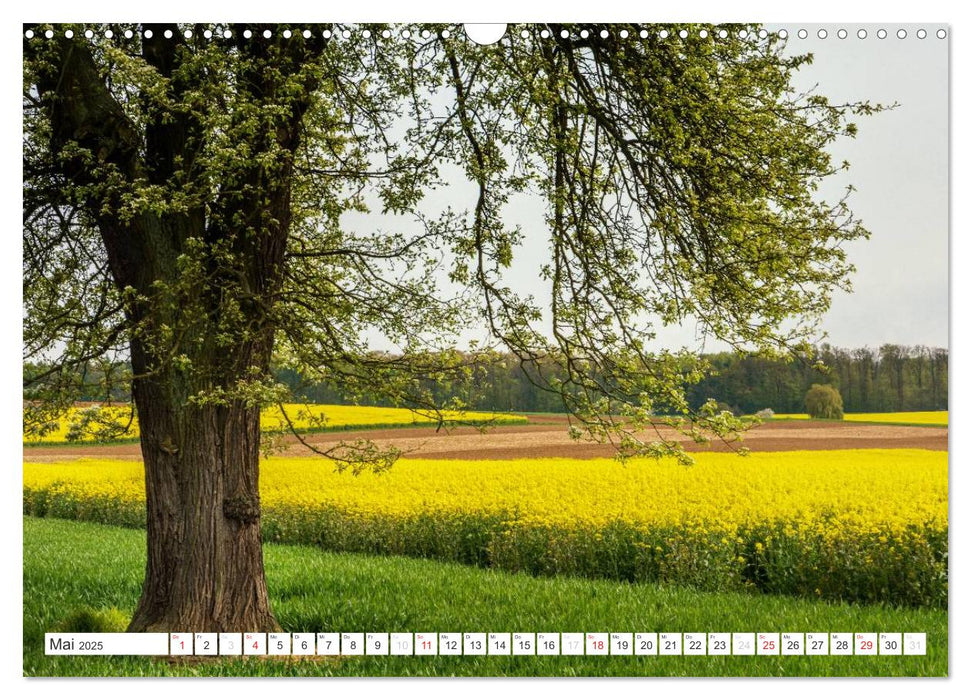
x,y
189,204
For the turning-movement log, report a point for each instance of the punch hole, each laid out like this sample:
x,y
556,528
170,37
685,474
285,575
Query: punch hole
x,y
485,34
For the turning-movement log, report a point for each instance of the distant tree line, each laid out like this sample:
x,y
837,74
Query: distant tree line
x,y
891,378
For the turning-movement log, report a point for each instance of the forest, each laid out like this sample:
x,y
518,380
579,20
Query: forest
x,y
891,378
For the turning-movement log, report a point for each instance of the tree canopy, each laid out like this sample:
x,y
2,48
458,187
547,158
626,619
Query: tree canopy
x,y
186,199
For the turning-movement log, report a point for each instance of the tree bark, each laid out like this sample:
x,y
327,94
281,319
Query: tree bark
x,y
205,564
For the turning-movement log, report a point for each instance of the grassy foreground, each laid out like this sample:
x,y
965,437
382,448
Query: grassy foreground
x,y
69,566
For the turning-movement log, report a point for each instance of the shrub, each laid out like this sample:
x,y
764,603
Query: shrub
x,y
765,414
824,401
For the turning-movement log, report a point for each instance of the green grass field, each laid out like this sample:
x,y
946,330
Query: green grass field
x,y
69,566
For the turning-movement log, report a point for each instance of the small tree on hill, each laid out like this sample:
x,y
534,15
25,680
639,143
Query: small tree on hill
x,y
824,401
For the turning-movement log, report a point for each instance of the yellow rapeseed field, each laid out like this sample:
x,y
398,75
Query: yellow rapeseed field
x,y
866,525
304,417
869,490
904,418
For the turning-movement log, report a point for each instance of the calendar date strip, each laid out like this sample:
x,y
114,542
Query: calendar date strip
x,y
488,644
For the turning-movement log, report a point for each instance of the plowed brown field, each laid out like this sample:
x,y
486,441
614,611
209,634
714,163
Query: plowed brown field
x,y
546,436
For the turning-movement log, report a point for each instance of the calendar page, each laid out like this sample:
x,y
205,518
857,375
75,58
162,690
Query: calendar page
x,y
527,349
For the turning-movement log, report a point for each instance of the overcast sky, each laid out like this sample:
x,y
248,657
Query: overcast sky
x,y
899,166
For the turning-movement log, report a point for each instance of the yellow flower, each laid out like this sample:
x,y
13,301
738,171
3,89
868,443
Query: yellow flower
x,y
886,499
304,417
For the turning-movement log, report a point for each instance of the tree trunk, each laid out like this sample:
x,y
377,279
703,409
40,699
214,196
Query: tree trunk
x,y
205,562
